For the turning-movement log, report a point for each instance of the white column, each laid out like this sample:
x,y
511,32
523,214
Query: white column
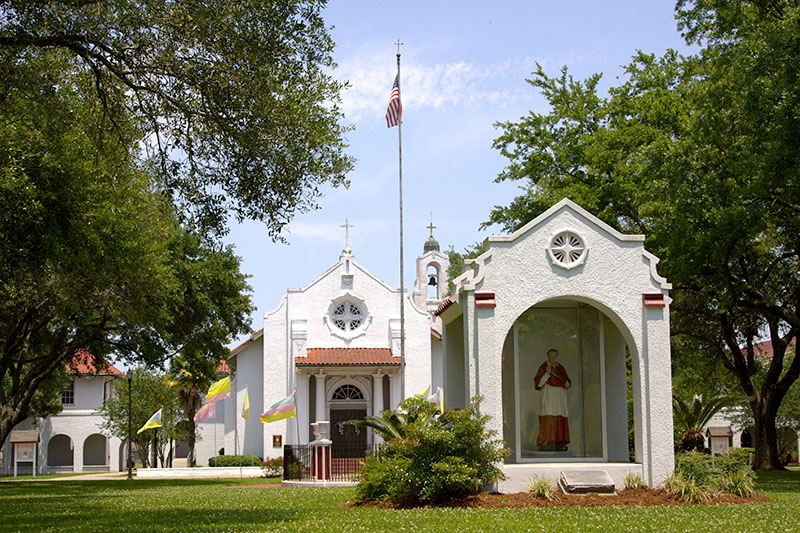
x,y
321,413
377,400
302,408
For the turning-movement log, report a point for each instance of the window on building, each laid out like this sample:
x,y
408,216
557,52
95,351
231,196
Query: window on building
x,y
68,396
347,316
348,392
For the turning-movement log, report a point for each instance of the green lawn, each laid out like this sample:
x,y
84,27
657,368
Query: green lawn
x,y
24,477
211,505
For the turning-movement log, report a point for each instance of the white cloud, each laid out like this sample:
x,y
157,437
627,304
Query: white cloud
x,y
333,231
436,86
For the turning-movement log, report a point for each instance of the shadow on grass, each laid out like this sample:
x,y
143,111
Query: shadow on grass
x,y
780,481
164,505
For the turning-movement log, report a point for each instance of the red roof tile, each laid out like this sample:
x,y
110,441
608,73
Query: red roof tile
x,y
763,350
347,356
83,364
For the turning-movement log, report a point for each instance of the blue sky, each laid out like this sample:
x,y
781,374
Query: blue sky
x,y
464,66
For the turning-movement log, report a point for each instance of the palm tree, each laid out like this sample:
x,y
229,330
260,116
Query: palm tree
x,y
394,424
189,386
692,417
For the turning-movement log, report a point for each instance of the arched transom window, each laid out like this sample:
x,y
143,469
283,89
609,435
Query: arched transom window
x,y
347,393
347,316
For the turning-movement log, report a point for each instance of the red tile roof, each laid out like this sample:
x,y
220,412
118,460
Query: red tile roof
x,y
763,350
83,364
445,304
347,357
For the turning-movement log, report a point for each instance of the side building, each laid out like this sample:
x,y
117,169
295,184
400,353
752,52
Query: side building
x,y
72,441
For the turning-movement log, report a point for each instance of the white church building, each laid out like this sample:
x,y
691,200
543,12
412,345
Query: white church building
x,y
336,343
565,282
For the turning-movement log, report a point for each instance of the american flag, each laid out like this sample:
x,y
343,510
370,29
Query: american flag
x,y
394,113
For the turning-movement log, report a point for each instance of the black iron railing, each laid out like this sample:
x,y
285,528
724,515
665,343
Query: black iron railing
x,y
346,460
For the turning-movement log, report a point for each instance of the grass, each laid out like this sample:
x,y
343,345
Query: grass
x,y
24,477
211,505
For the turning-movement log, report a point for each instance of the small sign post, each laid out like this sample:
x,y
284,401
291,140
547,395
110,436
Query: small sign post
x,y
25,448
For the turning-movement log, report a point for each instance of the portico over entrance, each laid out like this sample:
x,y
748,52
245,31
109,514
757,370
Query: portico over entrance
x,y
545,325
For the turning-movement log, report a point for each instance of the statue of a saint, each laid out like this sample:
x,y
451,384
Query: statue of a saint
x,y
552,379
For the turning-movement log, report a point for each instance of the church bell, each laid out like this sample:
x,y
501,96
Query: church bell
x,y
432,281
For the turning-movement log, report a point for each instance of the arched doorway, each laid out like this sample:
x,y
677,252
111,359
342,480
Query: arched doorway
x,y
348,402
565,392
60,455
95,456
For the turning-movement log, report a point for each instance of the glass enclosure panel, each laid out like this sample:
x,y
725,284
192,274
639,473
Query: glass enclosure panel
x,y
558,410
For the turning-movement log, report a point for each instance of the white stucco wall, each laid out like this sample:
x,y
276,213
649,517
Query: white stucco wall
x,y
301,321
616,272
77,421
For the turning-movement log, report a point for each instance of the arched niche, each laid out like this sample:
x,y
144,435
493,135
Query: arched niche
x,y
572,407
60,452
94,451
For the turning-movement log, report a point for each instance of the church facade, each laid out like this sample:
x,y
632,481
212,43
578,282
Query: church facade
x,y
336,344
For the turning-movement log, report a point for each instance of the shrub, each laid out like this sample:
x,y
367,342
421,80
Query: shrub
x,y
686,488
694,465
632,481
739,482
234,460
541,488
272,467
731,471
432,458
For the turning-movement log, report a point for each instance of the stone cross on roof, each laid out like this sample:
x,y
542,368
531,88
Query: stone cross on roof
x,y
347,227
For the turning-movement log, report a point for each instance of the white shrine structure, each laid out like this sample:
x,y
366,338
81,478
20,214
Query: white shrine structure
x,y
564,282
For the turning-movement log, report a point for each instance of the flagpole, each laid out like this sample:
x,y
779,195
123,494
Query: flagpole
x,y
402,287
296,418
234,393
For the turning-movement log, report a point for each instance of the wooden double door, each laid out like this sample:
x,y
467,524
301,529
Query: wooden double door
x,y
348,440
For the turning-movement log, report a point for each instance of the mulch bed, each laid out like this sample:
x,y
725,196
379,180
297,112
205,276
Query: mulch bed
x,y
640,497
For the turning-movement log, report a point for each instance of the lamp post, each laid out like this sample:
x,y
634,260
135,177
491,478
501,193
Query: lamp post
x,y
130,431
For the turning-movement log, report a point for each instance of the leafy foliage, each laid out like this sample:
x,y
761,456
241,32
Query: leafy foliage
x,y
692,418
234,460
632,481
83,240
148,395
686,488
91,256
235,100
541,488
272,466
432,458
678,151
696,477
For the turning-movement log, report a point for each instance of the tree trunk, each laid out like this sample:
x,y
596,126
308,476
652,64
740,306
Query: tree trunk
x,y
192,437
765,439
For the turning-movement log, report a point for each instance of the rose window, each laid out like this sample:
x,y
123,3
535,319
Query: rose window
x,y
567,249
347,316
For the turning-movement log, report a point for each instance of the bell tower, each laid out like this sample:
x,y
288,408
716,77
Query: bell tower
x,y
431,285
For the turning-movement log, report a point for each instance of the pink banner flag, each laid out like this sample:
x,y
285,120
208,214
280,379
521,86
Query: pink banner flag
x,y
208,411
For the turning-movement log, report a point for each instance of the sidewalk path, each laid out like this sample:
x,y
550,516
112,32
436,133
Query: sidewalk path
x,y
81,477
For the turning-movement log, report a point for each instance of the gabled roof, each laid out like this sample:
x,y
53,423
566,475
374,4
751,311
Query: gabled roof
x,y
719,431
253,337
347,357
82,364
